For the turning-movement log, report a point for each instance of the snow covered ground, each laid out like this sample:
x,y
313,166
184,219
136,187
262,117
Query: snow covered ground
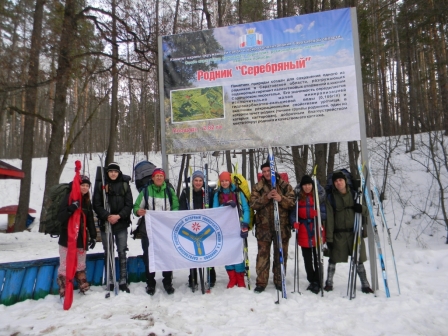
x,y
420,252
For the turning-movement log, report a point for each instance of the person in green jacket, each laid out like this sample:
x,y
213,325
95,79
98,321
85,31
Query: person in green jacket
x,y
339,230
161,197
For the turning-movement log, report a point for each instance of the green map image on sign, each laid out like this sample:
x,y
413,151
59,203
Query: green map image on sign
x,y
197,104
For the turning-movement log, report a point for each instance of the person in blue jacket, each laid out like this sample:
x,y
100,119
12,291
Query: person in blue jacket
x,y
226,195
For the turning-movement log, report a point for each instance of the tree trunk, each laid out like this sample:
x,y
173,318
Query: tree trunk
x,y
331,154
114,105
220,21
251,168
244,163
300,160
353,154
63,73
30,107
181,172
176,14
320,154
229,161
4,95
208,16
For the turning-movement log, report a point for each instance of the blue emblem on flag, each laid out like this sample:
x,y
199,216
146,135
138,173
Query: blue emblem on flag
x,y
197,238
251,39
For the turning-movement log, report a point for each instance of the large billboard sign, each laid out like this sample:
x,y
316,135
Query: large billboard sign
x,y
289,81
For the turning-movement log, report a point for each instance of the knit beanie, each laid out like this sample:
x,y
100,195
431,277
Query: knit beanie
x,y
113,166
199,174
225,176
336,175
306,179
85,179
159,171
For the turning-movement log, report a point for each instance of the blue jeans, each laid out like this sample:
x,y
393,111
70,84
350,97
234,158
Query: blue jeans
x,y
150,276
121,241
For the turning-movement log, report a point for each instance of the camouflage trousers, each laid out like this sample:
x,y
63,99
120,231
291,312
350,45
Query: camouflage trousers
x,y
264,261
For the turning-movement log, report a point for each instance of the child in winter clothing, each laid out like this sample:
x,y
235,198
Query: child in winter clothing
x,y
226,195
118,214
86,223
197,183
306,229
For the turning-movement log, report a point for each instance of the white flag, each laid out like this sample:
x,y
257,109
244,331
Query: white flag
x,y
193,238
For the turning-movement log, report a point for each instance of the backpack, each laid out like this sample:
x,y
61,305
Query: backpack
x,y
52,203
143,173
241,185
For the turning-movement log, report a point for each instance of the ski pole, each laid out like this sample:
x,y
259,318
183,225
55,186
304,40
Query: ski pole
x,y
296,252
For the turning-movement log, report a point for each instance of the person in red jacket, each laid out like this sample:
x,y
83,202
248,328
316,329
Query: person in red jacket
x,y
83,242
306,227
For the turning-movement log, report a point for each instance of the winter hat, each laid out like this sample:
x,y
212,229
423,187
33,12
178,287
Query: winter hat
x,y
85,179
306,179
199,174
113,166
337,175
225,176
159,171
264,165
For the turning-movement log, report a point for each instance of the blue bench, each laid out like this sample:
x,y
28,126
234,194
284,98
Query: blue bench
x,y
35,279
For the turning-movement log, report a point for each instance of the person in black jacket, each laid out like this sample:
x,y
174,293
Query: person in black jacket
x,y
198,203
120,203
64,213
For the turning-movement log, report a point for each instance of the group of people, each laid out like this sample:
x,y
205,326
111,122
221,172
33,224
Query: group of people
x,y
337,215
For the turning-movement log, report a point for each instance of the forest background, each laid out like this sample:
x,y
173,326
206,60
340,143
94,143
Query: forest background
x,y
81,77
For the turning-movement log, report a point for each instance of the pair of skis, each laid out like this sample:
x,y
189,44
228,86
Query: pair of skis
x,y
383,219
278,231
317,237
238,183
189,205
318,233
356,249
205,287
207,206
296,250
111,278
375,229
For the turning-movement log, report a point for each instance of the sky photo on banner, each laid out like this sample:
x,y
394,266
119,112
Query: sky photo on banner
x,y
289,81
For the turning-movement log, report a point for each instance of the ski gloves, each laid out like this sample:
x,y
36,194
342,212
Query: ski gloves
x,y
92,243
244,230
73,207
231,203
357,208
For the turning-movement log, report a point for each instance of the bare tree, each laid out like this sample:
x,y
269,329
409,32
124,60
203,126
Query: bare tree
x,y
30,106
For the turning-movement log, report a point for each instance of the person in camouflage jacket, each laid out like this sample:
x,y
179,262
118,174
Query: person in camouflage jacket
x,y
261,200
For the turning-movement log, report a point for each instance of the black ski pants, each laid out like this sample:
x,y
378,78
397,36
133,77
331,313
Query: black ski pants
x,y
311,264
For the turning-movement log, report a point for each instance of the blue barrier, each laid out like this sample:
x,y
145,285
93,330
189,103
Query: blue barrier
x,y
35,279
